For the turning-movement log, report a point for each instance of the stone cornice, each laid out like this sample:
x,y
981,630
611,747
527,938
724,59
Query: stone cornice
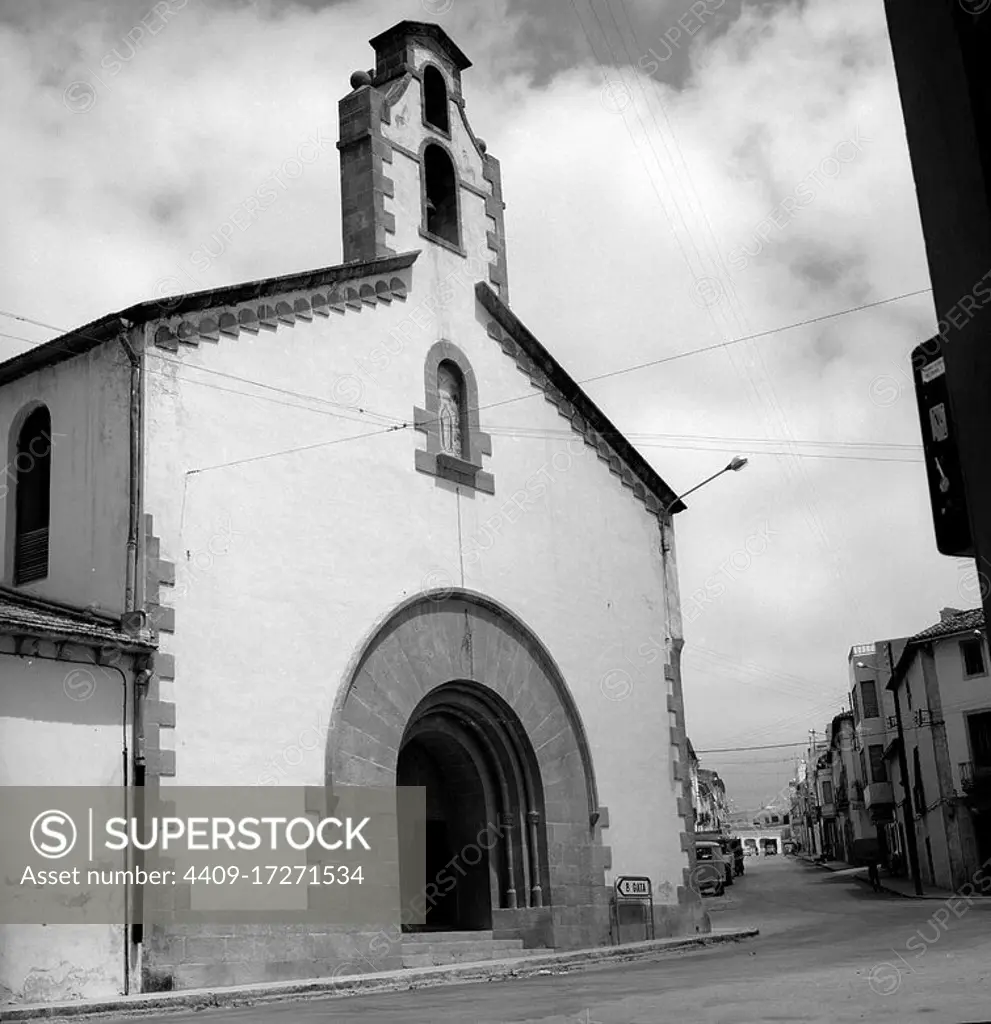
x,y
324,282
584,416
230,319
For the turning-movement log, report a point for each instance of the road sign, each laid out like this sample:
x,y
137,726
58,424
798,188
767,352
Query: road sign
x,y
632,887
939,443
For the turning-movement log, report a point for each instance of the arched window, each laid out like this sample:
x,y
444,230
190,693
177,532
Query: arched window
x,y
441,198
33,465
451,409
435,99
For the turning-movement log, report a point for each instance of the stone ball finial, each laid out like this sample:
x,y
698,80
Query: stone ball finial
x,y
481,145
360,79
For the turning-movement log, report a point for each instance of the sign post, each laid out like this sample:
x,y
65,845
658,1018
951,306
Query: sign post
x,y
637,890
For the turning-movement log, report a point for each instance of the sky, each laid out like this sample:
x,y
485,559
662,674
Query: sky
x,y
678,175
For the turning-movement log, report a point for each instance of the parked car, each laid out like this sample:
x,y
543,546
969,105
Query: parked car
x,y
710,870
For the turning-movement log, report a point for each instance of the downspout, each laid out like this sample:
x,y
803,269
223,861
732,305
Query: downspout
x,y
132,934
133,521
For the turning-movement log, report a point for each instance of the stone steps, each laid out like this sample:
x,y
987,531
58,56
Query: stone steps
x,y
435,949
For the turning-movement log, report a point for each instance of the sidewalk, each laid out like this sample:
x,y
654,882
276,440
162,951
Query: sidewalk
x,y
539,963
897,886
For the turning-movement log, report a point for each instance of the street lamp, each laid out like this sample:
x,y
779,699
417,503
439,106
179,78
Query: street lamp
x,y
734,466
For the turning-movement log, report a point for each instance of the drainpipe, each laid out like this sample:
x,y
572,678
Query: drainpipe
x,y
133,522
131,931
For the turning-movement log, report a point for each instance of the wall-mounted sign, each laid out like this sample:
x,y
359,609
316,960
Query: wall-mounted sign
x,y
939,442
631,887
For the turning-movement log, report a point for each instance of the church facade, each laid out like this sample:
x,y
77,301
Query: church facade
x,y
355,526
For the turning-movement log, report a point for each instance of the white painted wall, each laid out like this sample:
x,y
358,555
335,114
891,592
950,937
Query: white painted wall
x,y
60,728
286,563
87,397
960,697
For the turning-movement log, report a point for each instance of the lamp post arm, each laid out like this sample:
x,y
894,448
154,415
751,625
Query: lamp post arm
x,y
692,490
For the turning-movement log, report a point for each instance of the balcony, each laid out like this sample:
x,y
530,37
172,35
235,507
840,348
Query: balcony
x,y
878,795
828,811
925,717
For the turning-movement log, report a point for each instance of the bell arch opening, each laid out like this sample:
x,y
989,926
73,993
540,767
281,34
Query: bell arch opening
x,y
485,839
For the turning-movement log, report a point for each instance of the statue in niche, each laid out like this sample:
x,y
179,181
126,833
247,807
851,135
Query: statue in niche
x,y
450,409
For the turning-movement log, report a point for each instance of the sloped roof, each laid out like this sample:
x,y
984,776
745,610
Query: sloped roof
x,y
23,616
965,622
91,335
576,405
431,31
949,625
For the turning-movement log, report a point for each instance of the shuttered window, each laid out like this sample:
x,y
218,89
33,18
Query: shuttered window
x,y
980,738
868,693
33,465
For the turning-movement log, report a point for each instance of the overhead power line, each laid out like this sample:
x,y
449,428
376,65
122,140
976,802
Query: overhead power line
x,y
769,746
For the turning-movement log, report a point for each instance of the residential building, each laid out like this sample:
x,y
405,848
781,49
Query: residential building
x,y
693,775
310,575
713,813
807,816
852,823
872,707
942,684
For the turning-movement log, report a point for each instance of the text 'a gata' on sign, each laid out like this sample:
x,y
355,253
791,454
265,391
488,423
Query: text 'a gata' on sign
x,y
633,888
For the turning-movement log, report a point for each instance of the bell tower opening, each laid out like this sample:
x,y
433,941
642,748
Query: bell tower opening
x,y
412,167
440,188
435,100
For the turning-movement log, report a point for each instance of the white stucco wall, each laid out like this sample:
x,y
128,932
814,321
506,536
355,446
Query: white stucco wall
x,y
87,397
960,697
286,563
921,737
61,724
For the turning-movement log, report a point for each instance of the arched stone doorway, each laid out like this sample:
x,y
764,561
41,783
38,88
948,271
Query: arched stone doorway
x,y
453,692
486,844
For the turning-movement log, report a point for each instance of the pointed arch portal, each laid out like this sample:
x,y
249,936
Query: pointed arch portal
x,y
454,693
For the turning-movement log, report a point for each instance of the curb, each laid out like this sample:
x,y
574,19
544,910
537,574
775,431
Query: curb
x,y
925,895
385,981
896,892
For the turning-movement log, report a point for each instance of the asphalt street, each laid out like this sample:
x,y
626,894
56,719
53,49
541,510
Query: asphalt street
x,y
830,950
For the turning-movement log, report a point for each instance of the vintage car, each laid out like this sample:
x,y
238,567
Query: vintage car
x,y
710,869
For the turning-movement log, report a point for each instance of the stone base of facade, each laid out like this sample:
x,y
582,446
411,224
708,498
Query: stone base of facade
x,y
184,957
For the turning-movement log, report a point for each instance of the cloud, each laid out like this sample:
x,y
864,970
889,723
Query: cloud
x,y
757,178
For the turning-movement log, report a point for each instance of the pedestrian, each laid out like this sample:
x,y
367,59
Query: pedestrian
x,y
874,875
